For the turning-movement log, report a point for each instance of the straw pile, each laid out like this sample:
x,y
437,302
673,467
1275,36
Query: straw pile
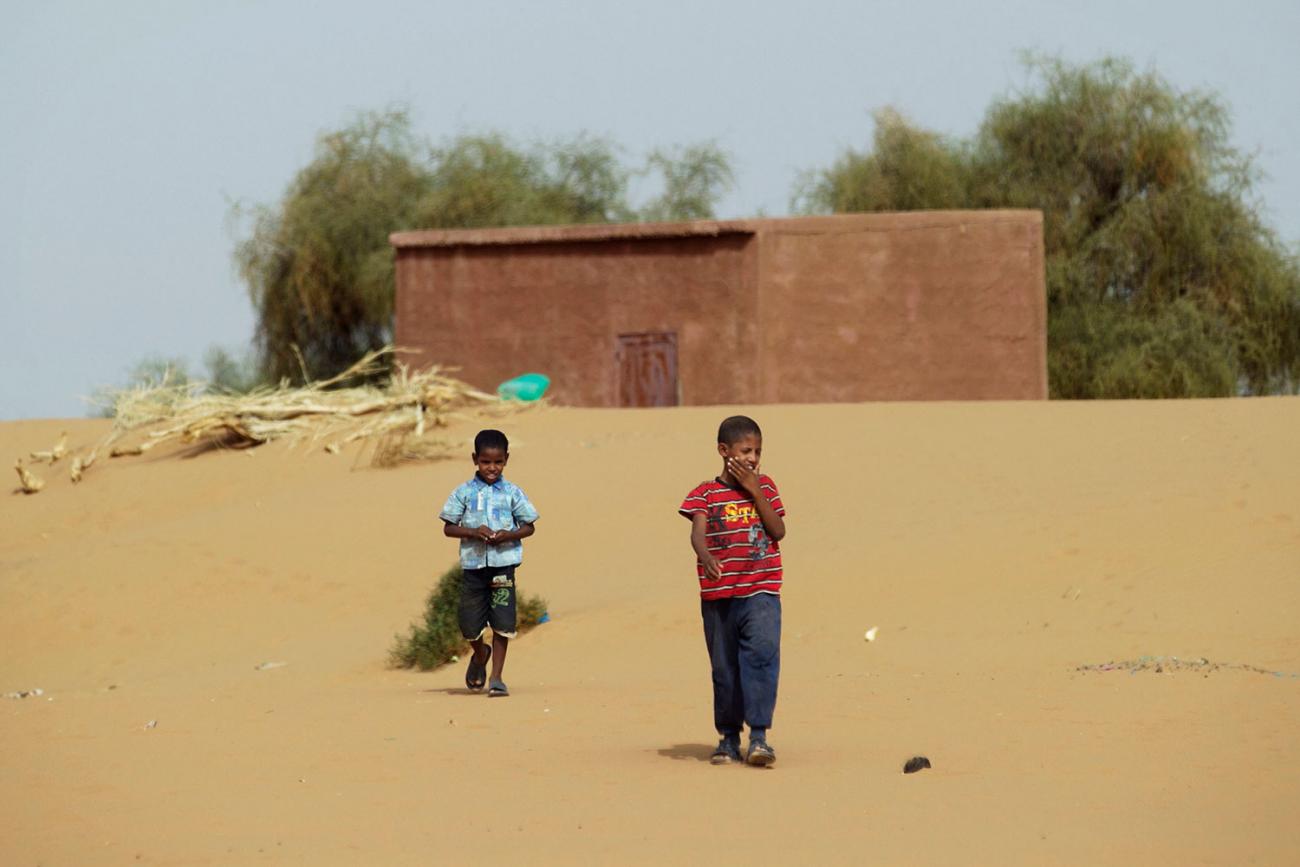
x,y
398,414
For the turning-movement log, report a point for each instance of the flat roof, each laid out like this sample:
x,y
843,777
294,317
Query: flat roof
x,y
561,234
890,221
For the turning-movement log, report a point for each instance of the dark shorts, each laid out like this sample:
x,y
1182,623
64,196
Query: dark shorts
x,y
487,598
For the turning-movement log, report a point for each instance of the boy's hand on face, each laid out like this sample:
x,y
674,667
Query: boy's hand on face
x,y
744,476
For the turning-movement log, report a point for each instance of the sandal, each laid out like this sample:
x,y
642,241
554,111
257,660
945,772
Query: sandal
x,y
760,755
727,752
497,689
476,672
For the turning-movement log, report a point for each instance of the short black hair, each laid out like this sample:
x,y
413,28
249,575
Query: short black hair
x,y
491,439
736,428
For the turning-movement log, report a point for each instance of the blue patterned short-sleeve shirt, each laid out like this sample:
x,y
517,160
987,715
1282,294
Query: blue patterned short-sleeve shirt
x,y
501,506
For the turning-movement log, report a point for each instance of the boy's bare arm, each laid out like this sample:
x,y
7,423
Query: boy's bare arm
x,y
456,531
485,533
700,542
772,522
748,480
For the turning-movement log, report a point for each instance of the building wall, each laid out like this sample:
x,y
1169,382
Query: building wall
x,y
915,306
497,311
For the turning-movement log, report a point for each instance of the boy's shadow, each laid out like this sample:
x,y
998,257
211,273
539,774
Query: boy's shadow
x,y
698,752
456,690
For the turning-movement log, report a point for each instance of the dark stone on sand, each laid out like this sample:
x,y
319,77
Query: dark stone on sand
x,y
915,764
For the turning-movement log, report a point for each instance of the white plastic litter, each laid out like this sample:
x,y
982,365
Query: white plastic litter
x,y
26,693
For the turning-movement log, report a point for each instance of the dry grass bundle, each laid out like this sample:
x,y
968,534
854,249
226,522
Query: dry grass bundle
x,y
397,413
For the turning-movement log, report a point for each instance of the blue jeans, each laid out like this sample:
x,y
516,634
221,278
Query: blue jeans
x,y
744,641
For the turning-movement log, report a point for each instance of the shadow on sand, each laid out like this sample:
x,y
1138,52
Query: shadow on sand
x,y
698,752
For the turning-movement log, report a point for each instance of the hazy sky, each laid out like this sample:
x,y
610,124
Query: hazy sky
x,y
127,129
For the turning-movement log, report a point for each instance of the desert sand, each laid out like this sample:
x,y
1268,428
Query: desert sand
x,y
1005,552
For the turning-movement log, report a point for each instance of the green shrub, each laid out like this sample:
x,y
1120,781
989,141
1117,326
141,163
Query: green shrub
x,y
437,640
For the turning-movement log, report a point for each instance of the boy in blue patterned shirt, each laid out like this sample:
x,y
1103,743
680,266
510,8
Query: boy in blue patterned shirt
x,y
490,516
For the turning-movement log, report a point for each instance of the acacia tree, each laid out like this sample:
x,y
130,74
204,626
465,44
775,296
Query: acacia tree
x,y
694,178
1161,279
481,181
906,169
319,267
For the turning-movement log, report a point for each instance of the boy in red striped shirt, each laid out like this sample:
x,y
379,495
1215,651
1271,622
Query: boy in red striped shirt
x,y
736,522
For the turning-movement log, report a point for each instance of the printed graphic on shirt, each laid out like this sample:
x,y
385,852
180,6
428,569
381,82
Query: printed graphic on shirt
x,y
739,512
760,544
723,519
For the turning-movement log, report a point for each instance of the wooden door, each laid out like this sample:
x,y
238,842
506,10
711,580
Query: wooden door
x,y
647,369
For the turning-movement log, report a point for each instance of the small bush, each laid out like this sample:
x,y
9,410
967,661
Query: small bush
x,y
230,372
434,642
227,373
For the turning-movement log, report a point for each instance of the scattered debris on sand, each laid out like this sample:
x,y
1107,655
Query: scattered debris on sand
x,y
80,464
1163,664
267,666
916,763
26,693
53,455
27,483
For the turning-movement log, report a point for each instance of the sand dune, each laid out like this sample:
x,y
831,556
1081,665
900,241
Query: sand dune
x,y
999,548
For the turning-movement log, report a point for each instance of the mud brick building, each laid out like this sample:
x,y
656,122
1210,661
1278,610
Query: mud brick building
x,y
936,305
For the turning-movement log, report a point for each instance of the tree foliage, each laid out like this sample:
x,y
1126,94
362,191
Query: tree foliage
x,y
907,169
483,181
1161,279
319,267
694,177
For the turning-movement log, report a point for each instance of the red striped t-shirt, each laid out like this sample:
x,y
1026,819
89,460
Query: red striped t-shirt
x,y
751,560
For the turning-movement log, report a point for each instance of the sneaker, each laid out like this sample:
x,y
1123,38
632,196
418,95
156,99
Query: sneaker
x,y
728,751
760,755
